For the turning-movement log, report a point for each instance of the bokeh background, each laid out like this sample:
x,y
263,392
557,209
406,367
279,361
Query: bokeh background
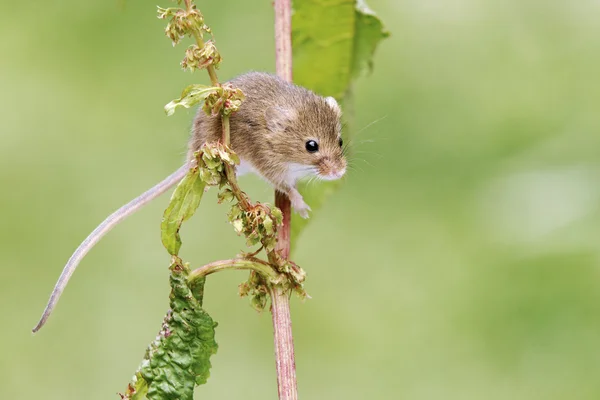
x,y
460,260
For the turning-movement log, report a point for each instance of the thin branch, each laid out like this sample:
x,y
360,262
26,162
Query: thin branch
x,y
250,263
225,136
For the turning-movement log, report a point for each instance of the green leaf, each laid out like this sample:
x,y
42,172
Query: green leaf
x,y
184,202
268,225
332,42
322,43
225,195
190,96
370,32
179,358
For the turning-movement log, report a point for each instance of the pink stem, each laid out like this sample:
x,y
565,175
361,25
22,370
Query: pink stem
x,y
285,363
283,39
280,300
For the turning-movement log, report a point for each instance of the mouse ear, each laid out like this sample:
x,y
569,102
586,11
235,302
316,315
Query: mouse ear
x,y
278,118
332,102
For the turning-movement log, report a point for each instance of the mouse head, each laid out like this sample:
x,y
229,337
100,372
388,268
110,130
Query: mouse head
x,y
308,138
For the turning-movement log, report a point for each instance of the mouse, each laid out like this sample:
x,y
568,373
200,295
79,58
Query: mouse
x,y
281,132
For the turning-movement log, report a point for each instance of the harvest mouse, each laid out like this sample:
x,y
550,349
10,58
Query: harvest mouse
x,y
282,132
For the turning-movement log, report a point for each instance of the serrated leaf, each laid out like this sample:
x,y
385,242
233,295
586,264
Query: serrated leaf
x,y
190,96
332,42
179,358
184,202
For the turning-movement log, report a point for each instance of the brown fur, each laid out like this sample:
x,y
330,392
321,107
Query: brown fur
x,y
271,128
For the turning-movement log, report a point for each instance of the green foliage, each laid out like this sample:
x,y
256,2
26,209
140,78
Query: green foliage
x,y
467,299
184,202
369,31
182,22
223,101
257,224
323,35
332,44
212,160
191,95
220,100
179,357
197,57
256,290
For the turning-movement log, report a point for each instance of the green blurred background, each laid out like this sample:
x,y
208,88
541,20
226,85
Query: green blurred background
x,y
460,260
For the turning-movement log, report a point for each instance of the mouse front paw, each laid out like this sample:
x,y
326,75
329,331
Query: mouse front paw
x,y
298,204
302,209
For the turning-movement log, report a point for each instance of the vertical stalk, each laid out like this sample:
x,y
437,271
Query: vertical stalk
x,y
283,39
280,300
285,363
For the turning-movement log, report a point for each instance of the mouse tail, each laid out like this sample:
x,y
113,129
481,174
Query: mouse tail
x,y
110,222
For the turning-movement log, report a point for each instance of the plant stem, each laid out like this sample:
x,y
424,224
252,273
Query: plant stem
x,y
283,233
235,188
211,69
251,263
280,298
212,74
225,129
283,39
284,343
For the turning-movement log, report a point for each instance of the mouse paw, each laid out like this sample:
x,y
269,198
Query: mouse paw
x,y
302,210
298,204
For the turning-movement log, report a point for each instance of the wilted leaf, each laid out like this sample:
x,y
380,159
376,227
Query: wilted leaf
x,y
184,202
190,96
332,43
179,357
225,195
229,156
238,225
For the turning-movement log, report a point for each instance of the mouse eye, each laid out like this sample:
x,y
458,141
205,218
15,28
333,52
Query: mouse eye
x,y
312,146
341,142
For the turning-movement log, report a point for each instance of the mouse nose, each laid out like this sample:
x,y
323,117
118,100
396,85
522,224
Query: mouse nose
x,y
330,171
340,172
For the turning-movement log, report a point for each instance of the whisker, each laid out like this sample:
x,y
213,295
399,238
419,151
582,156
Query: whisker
x,y
367,162
355,168
352,161
364,141
371,124
379,155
